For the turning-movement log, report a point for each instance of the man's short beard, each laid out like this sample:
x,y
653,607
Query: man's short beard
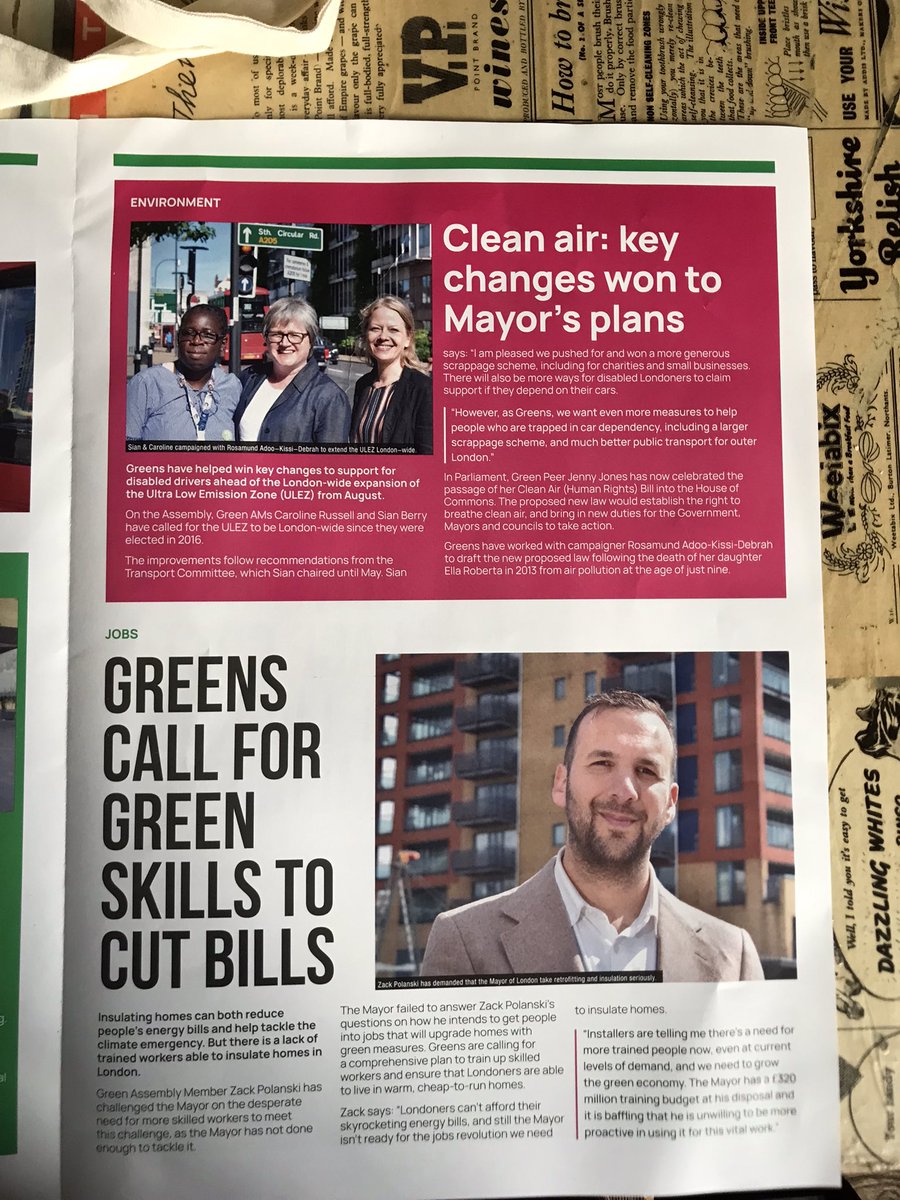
x,y
597,853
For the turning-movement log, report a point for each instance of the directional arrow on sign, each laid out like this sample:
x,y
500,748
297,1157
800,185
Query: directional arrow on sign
x,y
282,237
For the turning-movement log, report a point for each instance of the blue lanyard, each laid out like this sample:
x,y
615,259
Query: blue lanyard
x,y
200,403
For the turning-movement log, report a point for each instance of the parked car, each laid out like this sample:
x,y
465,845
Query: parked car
x,y
325,352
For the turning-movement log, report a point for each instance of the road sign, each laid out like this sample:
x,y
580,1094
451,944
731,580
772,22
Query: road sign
x,y
297,268
281,237
335,322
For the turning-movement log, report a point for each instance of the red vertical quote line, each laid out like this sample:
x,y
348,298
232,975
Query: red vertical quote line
x,y
575,1036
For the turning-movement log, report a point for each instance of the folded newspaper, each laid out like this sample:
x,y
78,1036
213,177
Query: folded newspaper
x,y
409,570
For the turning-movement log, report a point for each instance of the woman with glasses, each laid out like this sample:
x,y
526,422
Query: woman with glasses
x,y
192,399
287,400
392,403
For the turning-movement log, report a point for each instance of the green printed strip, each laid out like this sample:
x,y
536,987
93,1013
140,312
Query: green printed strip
x,y
18,160
240,162
13,583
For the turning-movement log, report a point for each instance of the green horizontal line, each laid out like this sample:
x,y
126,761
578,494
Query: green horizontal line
x,y
18,160
382,163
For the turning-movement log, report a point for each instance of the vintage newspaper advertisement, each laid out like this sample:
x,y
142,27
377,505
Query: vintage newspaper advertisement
x,y
333,642
36,347
865,809
560,60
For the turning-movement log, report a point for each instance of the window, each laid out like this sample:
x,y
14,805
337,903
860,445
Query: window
x,y
559,688
559,834
688,830
425,904
730,826
780,829
687,775
390,687
434,858
495,850
427,814
590,684
383,858
390,723
385,818
508,839
726,668
775,674
728,771
387,773
501,751
491,887
430,723
777,725
559,735
686,724
777,774
650,679
731,883
424,240
428,680
685,673
428,768
727,717
426,289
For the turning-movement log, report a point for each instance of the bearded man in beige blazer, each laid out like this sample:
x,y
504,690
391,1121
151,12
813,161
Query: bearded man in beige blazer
x,y
598,906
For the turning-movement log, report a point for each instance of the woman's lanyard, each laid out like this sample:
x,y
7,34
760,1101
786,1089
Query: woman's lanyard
x,y
200,404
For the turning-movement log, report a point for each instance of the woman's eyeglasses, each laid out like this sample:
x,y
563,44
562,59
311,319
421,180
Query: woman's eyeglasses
x,y
294,340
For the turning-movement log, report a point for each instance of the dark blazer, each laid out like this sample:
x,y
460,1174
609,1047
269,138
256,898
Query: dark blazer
x,y
526,932
311,410
407,421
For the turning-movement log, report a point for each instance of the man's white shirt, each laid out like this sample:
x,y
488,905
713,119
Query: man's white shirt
x,y
601,946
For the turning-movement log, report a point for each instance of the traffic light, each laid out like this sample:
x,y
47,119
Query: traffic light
x,y
248,265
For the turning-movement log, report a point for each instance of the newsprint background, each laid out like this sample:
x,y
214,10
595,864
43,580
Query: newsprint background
x,y
829,66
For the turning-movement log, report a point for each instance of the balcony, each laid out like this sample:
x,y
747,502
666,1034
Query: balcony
x,y
483,669
496,807
775,681
774,888
653,680
486,860
487,764
490,714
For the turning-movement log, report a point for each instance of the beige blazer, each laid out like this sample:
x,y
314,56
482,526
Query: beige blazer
x,y
526,931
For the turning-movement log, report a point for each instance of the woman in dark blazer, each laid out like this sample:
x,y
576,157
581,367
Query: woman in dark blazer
x,y
392,403
286,399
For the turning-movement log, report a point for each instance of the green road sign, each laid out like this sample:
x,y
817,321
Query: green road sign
x,y
284,237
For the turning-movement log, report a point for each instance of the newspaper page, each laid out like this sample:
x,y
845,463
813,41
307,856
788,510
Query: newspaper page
x,y
333,643
865,808
830,67
509,60
36,342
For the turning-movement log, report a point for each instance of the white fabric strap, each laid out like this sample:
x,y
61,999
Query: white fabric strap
x,y
156,35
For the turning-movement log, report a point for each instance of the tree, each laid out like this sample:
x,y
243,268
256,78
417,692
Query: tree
x,y
185,231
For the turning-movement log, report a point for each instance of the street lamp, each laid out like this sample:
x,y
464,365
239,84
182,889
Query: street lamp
x,y
162,262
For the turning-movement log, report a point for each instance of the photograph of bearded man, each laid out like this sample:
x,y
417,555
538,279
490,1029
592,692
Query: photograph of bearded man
x,y
598,905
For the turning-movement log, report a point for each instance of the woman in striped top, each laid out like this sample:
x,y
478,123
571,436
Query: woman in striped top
x,y
392,403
